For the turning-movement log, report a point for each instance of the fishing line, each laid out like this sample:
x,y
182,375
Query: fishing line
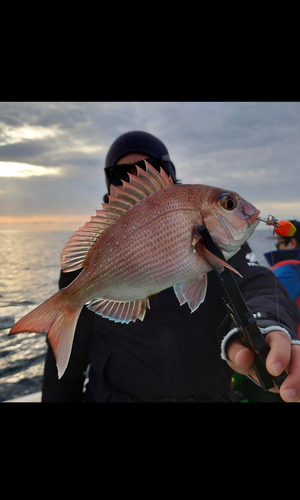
x,y
282,228
275,279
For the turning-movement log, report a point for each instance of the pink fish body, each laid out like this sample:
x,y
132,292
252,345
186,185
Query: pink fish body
x,y
143,241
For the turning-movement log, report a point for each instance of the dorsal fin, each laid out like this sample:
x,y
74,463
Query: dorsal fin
x,y
122,199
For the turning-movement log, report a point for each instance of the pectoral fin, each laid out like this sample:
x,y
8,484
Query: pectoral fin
x,y
215,262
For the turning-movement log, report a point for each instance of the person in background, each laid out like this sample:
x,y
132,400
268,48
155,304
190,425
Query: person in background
x,y
173,355
285,263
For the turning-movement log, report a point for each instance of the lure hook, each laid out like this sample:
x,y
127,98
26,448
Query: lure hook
x,y
282,228
270,220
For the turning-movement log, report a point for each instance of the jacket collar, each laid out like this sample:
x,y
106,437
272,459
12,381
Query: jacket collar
x,y
278,255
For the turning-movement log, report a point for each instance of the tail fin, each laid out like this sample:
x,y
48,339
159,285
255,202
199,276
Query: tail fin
x,y
57,318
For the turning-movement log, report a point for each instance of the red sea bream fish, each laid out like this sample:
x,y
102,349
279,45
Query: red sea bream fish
x,y
143,241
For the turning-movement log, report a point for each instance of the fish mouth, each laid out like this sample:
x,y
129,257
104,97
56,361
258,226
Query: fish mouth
x,y
253,217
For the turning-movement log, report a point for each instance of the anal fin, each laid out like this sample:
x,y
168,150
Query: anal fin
x,y
120,311
193,292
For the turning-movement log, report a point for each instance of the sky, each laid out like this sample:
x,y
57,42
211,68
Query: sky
x,y
52,154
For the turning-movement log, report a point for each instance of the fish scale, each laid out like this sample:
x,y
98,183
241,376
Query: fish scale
x,y
171,237
141,242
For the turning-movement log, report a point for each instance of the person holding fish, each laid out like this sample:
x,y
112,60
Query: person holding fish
x,y
134,301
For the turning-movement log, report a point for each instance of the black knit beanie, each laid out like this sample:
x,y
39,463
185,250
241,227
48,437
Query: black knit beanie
x,y
139,142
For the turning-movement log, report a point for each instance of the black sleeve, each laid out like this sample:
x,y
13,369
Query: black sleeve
x,y
70,387
264,294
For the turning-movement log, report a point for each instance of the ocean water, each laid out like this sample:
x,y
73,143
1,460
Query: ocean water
x,y
29,273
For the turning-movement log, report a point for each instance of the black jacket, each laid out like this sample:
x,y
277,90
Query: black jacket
x,y
173,354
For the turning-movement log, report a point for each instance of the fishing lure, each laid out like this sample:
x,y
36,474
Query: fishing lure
x,y
282,227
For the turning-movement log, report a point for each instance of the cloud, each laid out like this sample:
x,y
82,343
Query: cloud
x,y
13,135
12,169
251,148
70,194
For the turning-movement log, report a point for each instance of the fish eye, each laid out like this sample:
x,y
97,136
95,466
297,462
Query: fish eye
x,y
228,202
